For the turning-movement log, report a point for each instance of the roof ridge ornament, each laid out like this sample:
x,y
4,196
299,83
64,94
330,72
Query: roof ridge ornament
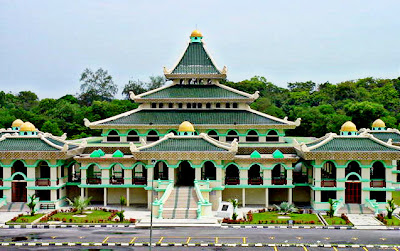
x,y
143,141
65,147
390,141
255,95
234,146
86,122
132,95
133,147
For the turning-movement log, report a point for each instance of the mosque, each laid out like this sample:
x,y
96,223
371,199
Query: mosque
x,y
194,143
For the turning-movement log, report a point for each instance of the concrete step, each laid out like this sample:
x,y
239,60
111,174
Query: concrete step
x,y
355,209
14,207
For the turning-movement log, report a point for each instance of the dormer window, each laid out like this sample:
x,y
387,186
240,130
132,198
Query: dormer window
x,y
228,105
170,105
218,105
153,105
235,105
208,105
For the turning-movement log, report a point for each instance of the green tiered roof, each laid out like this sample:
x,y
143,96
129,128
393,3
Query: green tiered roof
x,y
195,61
184,145
353,144
197,117
193,91
25,144
59,143
385,136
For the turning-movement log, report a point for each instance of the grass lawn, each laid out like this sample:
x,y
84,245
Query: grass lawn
x,y
92,216
396,197
392,222
334,220
272,218
26,219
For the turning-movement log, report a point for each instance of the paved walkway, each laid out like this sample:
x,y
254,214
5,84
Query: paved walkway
x,y
365,221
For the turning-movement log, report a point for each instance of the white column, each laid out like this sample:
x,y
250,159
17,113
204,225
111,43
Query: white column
x,y
127,197
197,173
82,192
243,197
105,196
243,176
171,174
150,176
290,195
266,197
53,175
317,177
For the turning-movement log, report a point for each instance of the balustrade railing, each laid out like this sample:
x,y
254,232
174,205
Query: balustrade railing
x,y
279,181
93,180
232,181
139,181
328,183
378,183
255,181
42,182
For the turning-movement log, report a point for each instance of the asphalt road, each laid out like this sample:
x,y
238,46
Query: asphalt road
x,y
188,235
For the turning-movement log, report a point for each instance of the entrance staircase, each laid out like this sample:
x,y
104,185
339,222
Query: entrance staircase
x,y
355,209
181,204
14,207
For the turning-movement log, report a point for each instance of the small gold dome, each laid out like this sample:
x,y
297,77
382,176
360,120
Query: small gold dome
x,y
196,33
348,127
378,123
186,126
17,123
27,127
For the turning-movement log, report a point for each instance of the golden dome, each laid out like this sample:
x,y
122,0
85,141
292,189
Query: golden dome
x,y
186,126
196,33
348,127
27,127
17,123
378,123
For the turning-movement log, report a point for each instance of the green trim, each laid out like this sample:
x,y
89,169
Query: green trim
x,y
4,188
111,186
388,189
46,187
58,163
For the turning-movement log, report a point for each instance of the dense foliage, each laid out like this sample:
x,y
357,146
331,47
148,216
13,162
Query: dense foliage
x,y
323,108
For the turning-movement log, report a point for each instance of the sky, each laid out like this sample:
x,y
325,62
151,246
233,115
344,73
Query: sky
x,y
46,45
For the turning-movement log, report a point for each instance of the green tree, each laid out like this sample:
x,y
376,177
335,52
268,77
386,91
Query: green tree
x,y
364,113
390,208
32,201
79,203
138,87
97,85
52,128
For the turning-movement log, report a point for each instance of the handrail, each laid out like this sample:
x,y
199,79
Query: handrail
x,y
339,204
164,197
373,205
202,202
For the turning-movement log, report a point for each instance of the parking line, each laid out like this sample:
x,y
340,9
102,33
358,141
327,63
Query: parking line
x,y
396,249
305,249
216,240
161,239
188,240
133,240
335,248
275,248
244,240
106,239
366,249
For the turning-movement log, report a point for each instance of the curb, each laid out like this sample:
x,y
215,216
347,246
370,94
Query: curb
x,y
146,244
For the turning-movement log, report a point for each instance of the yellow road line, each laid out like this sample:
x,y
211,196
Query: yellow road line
x,y
244,240
133,240
188,240
161,239
335,248
305,249
106,239
275,248
216,240
366,249
396,249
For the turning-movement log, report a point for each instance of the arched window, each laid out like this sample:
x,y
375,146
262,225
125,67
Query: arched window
x,y
189,105
18,166
232,175
44,170
272,136
117,174
194,105
252,136
133,136
161,171
228,105
170,105
255,175
279,175
232,135
153,105
113,136
378,175
180,105
209,171
353,167
199,105
328,174
93,175
208,105
235,105
160,105
218,105
139,175
174,132
152,136
213,134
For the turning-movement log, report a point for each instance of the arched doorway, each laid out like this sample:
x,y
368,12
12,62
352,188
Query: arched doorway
x,y
232,175
353,184
254,175
186,174
19,192
161,171
209,171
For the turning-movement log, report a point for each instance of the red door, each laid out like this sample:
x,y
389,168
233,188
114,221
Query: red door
x,y
353,192
19,191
